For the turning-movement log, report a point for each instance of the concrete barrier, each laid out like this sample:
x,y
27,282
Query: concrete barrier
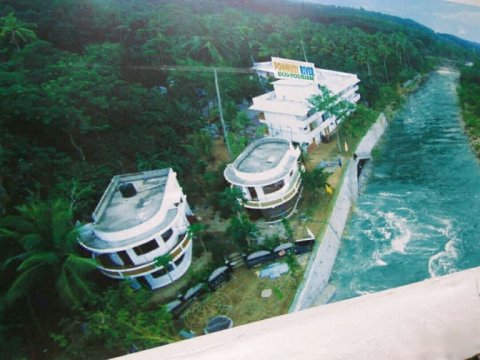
x,y
434,319
322,260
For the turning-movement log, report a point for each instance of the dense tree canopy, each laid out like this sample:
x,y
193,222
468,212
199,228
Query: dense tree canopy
x,y
470,101
82,99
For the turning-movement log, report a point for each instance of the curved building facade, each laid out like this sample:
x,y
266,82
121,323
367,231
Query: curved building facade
x,y
139,218
268,174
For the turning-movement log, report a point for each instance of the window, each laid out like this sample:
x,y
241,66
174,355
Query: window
x,y
162,271
311,112
146,248
326,116
273,187
142,281
253,193
179,260
159,273
106,261
167,235
125,258
291,173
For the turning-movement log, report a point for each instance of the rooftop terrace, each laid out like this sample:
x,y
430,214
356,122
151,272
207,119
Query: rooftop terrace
x,y
261,156
262,162
115,212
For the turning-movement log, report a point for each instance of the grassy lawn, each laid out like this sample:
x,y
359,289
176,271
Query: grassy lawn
x,y
240,299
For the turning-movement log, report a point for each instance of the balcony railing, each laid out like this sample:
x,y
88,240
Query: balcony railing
x,y
123,271
281,200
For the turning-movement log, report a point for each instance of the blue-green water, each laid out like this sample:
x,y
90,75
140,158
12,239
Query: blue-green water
x,y
418,214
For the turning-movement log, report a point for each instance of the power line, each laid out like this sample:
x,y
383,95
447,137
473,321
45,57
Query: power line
x,y
195,69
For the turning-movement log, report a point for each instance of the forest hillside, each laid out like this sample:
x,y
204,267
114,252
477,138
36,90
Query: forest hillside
x,y
83,97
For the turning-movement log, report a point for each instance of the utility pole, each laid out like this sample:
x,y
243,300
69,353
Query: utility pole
x,y
181,68
303,49
221,115
338,139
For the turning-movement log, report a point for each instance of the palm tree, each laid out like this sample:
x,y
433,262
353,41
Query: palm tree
x,y
16,31
365,57
399,42
195,231
384,51
242,230
165,262
49,256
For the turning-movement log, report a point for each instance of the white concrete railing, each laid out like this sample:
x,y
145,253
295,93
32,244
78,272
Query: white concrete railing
x,y
434,319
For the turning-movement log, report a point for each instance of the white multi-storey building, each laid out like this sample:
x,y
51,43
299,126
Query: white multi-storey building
x,y
286,110
140,217
268,174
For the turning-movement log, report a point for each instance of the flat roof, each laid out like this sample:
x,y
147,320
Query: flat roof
x,y
261,156
115,212
335,81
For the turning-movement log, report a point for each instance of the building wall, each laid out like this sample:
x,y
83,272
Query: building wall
x,y
287,179
301,132
297,128
141,261
176,273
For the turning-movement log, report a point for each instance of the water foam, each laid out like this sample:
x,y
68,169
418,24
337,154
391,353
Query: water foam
x,y
399,227
361,293
378,261
401,241
444,262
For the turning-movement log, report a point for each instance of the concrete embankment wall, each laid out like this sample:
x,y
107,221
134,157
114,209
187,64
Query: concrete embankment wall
x,y
321,263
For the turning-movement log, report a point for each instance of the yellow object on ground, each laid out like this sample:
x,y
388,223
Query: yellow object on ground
x,y
328,189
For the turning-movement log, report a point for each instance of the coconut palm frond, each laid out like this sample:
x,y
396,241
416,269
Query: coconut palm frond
x,y
81,286
61,225
80,264
16,223
43,258
19,257
32,241
65,290
23,283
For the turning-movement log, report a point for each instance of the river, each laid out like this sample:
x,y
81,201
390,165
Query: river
x,y
418,213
